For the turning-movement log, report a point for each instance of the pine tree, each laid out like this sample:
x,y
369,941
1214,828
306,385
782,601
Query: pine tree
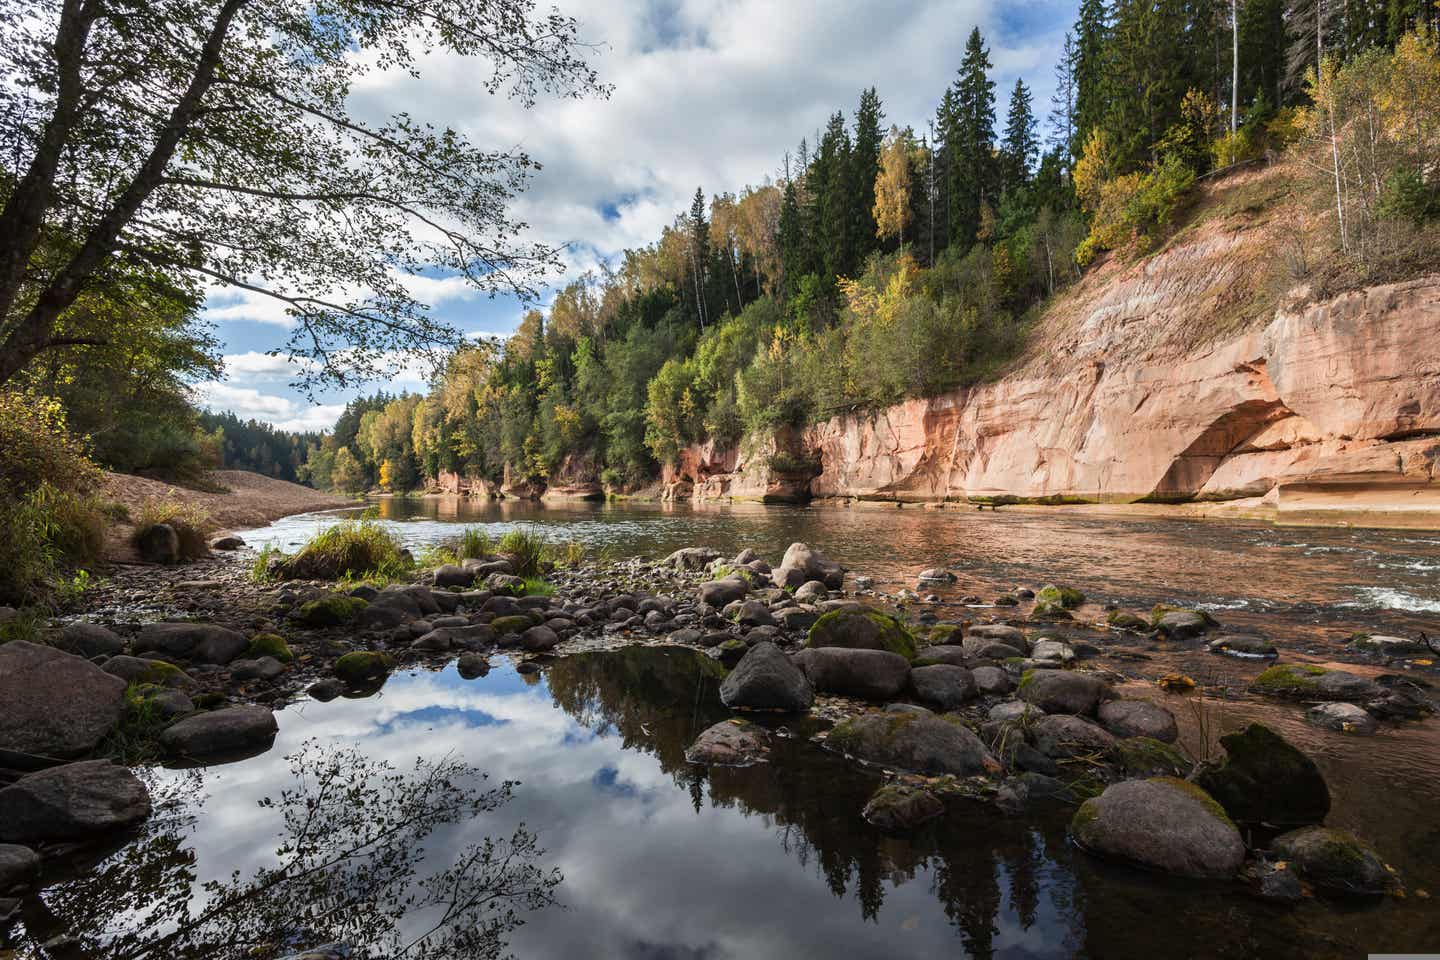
x,y
972,173
699,252
1092,39
946,138
794,253
865,158
1262,43
833,197
1020,146
1062,102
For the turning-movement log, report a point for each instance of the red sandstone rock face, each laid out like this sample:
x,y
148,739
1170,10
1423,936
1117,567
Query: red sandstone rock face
x,y
1341,395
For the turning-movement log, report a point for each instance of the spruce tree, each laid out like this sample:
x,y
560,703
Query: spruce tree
x,y
835,194
1020,146
794,253
865,159
699,254
973,175
1092,39
1062,102
946,140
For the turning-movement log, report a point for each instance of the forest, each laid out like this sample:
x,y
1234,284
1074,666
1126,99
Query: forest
x,y
884,262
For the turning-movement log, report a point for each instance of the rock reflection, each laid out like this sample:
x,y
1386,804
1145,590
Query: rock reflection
x,y
350,866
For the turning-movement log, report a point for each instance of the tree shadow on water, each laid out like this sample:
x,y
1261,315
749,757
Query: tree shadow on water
x,y
350,866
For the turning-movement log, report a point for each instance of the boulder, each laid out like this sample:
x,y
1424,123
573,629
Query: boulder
x,y
1147,757
862,630
200,642
897,807
718,593
54,703
472,665
144,670
797,619
1014,710
812,591
1052,651
1064,691
330,610
73,802
363,668
262,668
1138,718
944,653
981,648
226,541
935,575
919,743
992,681
1343,717
730,743
1265,780
692,558
232,730
89,640
753,613
943,686
789,578
1306,681
869,674
1243,646
1335,861
326,690
451,575
1164,824
1390,647
539,639
1182,624
170,703
1003,632
19,867
765,679
158,543
1062,735
1124,620
814,565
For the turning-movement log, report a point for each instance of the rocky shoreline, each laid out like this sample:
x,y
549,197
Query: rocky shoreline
x,y
1013,700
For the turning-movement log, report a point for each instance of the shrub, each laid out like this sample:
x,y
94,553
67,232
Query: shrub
x,y
525,550
472,543
190,521
358,547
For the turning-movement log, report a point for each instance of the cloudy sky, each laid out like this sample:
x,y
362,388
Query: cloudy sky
x,y
706,93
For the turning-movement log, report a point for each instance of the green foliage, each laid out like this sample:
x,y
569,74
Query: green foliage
x,y
354,548
330,610
135,740
525,549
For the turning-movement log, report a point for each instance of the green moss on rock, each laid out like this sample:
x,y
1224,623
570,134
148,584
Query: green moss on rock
x,y
1288,680
1209,802
362,668
269,645
516,623
1123,620
1148,757
861,630
331,610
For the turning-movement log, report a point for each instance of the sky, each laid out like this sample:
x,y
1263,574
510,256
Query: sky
x,y
708,93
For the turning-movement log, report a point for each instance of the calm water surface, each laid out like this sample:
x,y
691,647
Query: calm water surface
x,y
662,859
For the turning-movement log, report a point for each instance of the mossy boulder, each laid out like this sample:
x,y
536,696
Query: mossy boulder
x,y
919,743
1148,757
862,630
142,670
1178,623
1306,681
1164,824
330,610
364,668
1055,603
512,624
945,633
1121,620
897,807
1335,861
269,645
1265,780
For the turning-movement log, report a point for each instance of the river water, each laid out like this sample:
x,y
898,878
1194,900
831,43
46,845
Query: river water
x,y
662,859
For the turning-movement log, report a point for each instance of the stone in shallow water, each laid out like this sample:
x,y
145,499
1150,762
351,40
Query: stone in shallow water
x,y
54,703
77,801
897,807
1344,717
1165,824
1243,646
732,743
766,679
1335,861
263,668
1263,779
229,731
19,866
913,742
869,674
1138,718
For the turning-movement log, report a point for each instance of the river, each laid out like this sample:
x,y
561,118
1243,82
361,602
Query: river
x,y
662,859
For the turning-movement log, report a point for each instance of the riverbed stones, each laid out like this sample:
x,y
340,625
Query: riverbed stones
x,y
1243,646
363,668
765,679
992,681
226,541
1392,647
730,743
753,613
1265,780
1342,717
862,630
1147,757
796,619
54,703
1064,691
1002,632
73,802
1182,624
233,730
899,807
814,565
980,648
1307,681
943,686
89,640
330,610
812,591
918,743
19,866
935,575
1138,718
471,666
146,670
200,642
868,674
718,593
692,558
453,575
261,668
1164,824
1335,861
1062,735
1050,651
955,656
538,639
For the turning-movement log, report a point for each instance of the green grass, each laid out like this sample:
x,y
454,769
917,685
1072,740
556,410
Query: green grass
x,y
27,624
136,740
260,571
525,549
358,549
538,587
191,523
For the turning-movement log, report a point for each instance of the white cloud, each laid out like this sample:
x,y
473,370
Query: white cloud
x,y
286,413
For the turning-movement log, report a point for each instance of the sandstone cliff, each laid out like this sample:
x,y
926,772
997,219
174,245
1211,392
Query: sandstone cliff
x,y
1206,371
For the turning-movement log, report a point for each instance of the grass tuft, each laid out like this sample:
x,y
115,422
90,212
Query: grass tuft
x,y
190,521
359,548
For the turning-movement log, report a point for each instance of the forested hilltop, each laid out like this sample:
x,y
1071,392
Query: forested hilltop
x,y
885,262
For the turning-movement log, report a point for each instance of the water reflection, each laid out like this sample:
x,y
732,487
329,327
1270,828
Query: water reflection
x,y
664,859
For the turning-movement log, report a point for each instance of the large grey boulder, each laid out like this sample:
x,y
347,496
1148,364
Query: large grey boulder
x,y
90,640
1138,718
77,801
54,703
718,593
161,673
944,653
200,642
992,681
1165,824
814,565
539,639
766,679
869,674
1064,691
917,742
692,558
1336,861
943,686
233,730
452,575
1263,779
1063,735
